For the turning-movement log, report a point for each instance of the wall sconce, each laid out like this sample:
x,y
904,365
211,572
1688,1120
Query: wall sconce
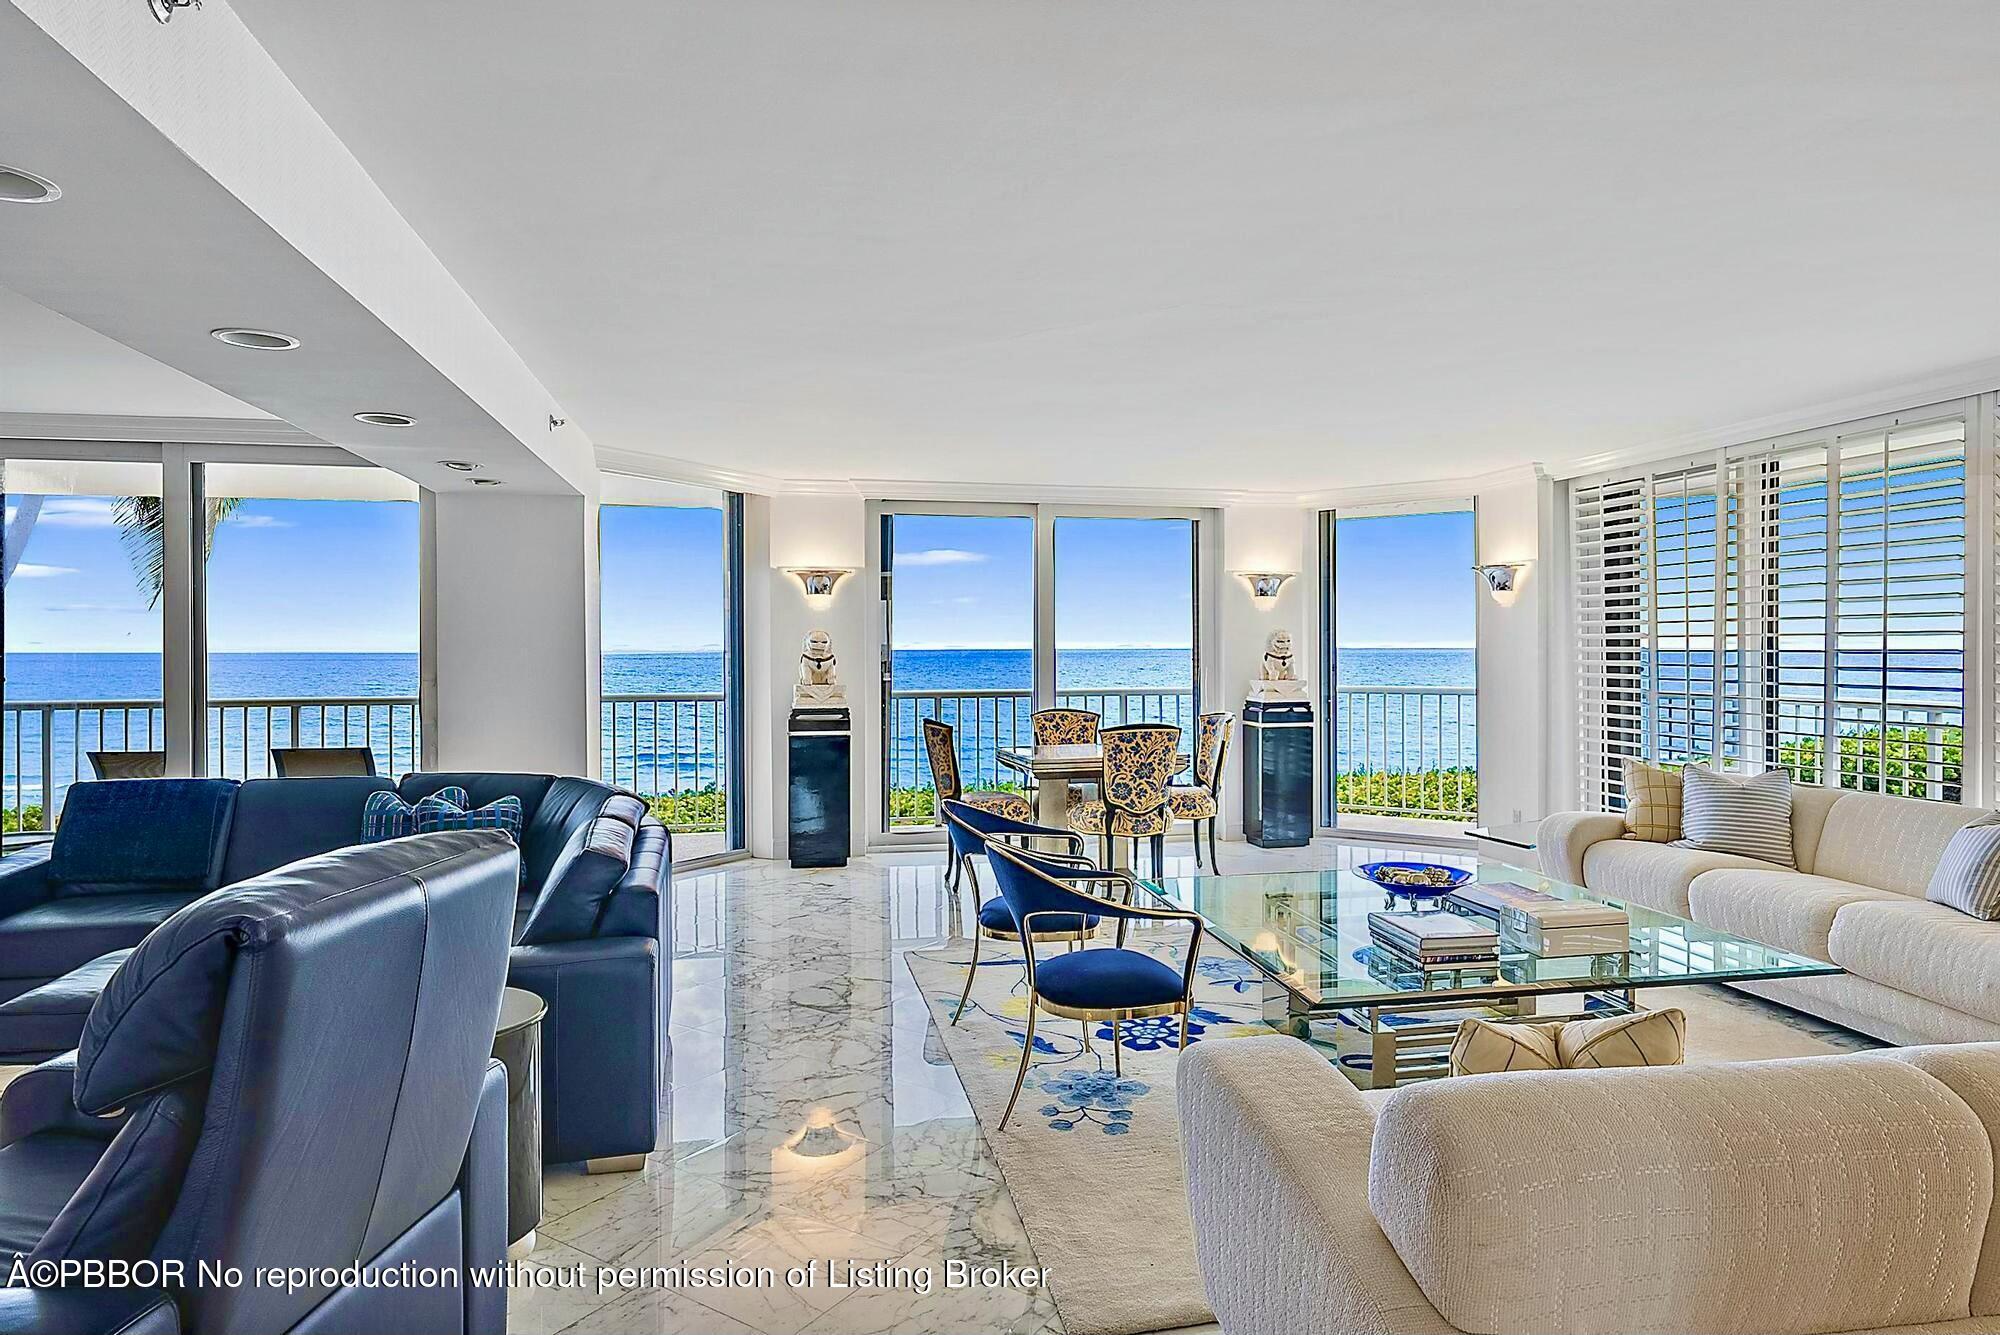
x,y
1501,578
1264,584
819,581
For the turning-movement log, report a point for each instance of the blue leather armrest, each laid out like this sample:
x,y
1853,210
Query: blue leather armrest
x,y
24,879
600,1043
77,1311
639,905
482,1187
43,1098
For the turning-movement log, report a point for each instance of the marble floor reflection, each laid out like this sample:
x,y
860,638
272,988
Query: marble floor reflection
x,y
812,1129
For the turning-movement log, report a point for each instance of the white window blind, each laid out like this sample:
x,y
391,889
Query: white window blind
x,y
1776,605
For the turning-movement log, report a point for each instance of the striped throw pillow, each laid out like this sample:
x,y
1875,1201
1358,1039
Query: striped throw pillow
x,y
1968,875
1751,817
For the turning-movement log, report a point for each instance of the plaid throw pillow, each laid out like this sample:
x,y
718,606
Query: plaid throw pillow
x,y
1652,802
445,810
388,816
1968,875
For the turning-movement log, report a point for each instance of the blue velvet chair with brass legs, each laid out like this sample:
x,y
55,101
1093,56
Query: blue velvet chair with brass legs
x,y
941,747
1096,984
973,831
1139,759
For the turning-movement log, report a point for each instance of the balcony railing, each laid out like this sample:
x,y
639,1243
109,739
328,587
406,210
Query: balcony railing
x,y
672,750
46,741
988,722
1406,751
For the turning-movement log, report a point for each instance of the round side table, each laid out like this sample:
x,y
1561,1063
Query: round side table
x,y
517,1042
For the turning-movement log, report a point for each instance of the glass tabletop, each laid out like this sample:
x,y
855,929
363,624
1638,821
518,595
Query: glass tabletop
x,y
1308,931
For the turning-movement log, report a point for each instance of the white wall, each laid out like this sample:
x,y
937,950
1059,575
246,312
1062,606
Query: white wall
x,y
805,530
1259,537
511,678
1513,659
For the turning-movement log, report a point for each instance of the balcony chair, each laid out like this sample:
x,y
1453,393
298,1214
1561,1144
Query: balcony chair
x,y
1201,800
293,1073
1139,759
1063,726
128,764
323,762
971,830
941,745
1109,984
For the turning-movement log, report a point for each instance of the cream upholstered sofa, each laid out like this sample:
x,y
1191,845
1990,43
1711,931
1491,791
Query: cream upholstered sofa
x,y
1917,972
1848,1193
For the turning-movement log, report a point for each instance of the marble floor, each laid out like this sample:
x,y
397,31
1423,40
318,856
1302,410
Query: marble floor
x,y
812,1121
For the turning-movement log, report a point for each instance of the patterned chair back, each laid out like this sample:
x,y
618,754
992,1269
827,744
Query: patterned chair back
x,y
1139,758
1212,750
941,745
1065,727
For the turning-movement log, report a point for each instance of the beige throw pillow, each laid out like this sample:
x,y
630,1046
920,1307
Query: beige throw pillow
x,y
1652,802
1648,1038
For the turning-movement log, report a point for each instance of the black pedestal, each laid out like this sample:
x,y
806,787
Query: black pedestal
x,y
1278,773
821,763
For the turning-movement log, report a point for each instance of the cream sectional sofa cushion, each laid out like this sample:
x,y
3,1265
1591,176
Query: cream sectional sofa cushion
x,y
1924,949
1653,875
1974,1075
1793,1196
1788,909
1892,843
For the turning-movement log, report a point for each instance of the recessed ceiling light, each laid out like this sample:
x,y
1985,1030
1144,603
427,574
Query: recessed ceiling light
x,y
385,419
487,482
262,340
24,187
457,465
163,10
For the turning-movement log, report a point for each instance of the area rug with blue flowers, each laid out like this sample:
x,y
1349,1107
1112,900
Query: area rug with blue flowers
x,y
1092,1158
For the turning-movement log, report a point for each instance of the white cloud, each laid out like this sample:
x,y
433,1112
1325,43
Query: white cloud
x,y
241,520
29,570
76,512
940,556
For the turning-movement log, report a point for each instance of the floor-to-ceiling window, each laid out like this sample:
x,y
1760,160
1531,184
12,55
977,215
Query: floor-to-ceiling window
x,y
669,568
81,606
992,611
310,601
1125,630
960,623
1400,714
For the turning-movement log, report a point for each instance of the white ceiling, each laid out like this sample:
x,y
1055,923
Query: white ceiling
x,y
1192,245
51,365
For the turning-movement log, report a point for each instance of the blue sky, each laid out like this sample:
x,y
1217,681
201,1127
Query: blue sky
x,y
967,582
1404,581
662,576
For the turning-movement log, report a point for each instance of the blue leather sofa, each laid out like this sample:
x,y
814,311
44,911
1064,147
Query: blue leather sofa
x,y
294,1072
592,920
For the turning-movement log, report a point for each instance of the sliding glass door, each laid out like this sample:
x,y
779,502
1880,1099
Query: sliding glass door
x,y
670,564
80,612
1125,629
990,612
959,632
1400,714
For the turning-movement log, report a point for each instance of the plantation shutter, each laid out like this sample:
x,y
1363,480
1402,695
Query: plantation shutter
x,y
1780,604
1608,536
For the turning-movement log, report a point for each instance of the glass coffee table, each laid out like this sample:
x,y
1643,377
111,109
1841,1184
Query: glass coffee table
x,y
1385,1020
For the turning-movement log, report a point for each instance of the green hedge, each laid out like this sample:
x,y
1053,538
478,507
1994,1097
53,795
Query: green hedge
x,y
1896,761
918,806
692,810
27,818
1432,794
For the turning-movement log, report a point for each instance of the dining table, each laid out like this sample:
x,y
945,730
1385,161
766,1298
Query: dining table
x,y
1053,768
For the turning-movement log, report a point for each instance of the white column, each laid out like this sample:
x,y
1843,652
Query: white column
x,y
512,628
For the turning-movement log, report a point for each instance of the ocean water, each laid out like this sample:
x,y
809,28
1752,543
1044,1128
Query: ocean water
x,y
650,746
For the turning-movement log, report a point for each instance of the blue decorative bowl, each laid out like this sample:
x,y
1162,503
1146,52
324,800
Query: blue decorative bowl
x,y
1426,880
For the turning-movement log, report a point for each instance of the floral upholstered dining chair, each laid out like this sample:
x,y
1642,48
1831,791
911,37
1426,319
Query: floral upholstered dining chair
x,y
1201,800
1139,759
1063,726
941,746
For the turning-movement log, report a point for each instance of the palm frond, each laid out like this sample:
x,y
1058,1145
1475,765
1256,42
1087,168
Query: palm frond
x,y
142,531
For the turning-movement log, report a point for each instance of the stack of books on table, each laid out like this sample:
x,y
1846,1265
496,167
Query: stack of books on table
x,y
1435,940
1544,924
